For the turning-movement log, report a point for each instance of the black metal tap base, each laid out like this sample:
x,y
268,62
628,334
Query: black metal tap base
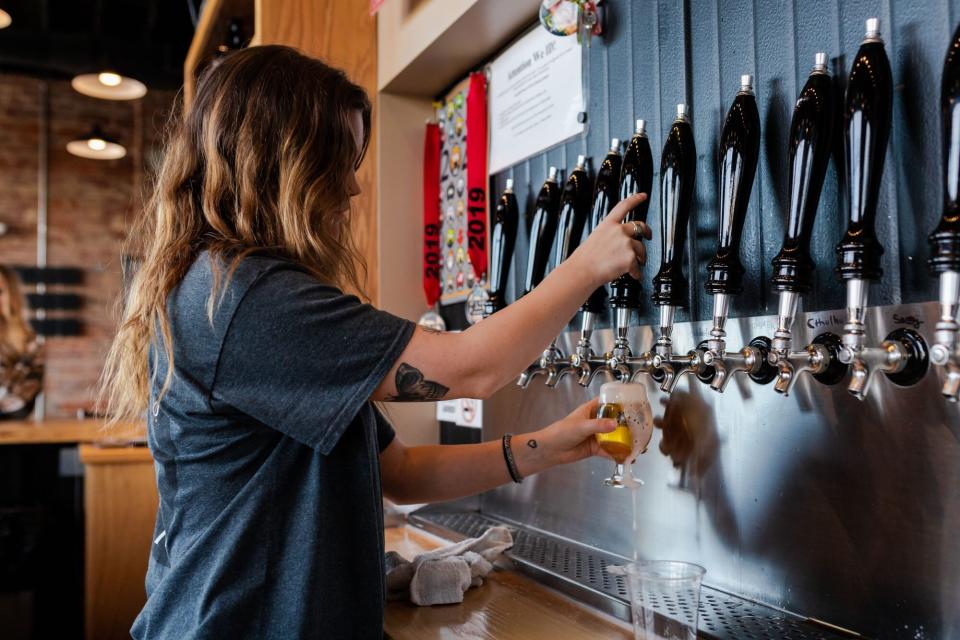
x,y
767,372
919,357
836,371
706,374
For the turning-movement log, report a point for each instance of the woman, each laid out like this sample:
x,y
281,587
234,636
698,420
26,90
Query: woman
x,y
270,455
21,358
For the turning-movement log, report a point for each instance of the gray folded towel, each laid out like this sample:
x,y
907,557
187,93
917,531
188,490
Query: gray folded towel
x,y
443,575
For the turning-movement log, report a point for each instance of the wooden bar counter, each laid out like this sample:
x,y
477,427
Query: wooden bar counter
x,y
65,431
120,505
507,606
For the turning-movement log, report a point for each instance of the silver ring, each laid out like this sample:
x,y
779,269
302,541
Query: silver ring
x,y
637,230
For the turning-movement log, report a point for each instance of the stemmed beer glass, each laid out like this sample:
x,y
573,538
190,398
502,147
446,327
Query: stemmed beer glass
x,y
628,405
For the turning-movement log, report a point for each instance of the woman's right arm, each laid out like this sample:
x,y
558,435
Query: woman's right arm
x,y
476,362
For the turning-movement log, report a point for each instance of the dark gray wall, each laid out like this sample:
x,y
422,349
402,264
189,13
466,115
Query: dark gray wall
x,y
656,54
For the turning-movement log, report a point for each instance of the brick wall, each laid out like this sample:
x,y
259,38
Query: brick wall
x,y
90,203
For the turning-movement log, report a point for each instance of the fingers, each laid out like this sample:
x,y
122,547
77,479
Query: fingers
x,y
591,427
631,227
624,207
587,410
634,268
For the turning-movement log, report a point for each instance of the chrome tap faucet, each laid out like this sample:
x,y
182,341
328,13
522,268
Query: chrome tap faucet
x,y
945,353
868,106
678,166
945,239
606,195
737,158
636,177
543,227
811,131
575,203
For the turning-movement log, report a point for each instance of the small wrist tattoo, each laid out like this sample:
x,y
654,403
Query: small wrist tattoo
x,y
532,443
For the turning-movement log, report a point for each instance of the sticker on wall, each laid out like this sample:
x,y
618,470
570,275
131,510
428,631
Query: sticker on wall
x,y
458,274
465,412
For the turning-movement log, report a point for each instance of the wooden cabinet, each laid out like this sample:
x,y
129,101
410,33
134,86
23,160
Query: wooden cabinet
x,y
341,33
120,501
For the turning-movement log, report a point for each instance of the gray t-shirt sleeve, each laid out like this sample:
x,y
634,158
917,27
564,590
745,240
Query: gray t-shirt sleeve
x,y
302,357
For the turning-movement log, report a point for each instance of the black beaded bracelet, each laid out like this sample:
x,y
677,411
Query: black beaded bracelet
x,y
508,458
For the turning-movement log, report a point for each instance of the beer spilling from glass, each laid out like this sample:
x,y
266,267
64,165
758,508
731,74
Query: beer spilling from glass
x,y
628,405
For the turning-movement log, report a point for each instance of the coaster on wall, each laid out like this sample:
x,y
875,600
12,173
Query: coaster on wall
x,y
560,17
476,302
432,320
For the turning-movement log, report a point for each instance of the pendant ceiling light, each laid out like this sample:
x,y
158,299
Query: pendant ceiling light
x,y
96,146
109,85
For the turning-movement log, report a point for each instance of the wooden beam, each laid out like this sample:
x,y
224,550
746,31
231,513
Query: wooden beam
x,y
343,34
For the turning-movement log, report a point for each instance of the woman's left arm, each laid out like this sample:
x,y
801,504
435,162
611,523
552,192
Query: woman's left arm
x,y
434,473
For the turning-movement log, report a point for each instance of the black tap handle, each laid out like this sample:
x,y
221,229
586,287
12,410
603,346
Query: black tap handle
x,y
678,172
542,229
811,131
605,198
636,177
945,239
867,110
738,155
574,209
506,219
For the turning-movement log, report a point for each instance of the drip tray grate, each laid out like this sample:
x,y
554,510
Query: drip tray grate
x,y
580,572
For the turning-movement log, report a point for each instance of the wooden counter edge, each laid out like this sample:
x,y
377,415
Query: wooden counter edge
x,y
93,454
66,431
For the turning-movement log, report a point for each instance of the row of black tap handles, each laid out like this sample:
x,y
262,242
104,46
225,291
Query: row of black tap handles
x,y
565,216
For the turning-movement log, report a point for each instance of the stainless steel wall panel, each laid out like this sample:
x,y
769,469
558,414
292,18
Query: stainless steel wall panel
x,y
816,503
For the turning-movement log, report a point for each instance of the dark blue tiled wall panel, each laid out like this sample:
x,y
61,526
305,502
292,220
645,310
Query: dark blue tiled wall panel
x,y
656,54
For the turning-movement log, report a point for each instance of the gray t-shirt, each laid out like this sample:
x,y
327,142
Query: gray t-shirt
x,y
266,446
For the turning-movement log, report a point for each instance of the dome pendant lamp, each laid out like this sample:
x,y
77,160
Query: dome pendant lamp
x,y
96,146
108,85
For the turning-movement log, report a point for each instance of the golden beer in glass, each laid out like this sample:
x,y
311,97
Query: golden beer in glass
x,y
619,442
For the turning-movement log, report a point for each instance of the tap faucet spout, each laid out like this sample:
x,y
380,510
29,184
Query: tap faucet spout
x,y
813,359
748,360
529,374
640,365
946,351
865,363
593,367
617,359
675,366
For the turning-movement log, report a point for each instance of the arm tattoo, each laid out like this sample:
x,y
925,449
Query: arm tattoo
x,y
532,443
411,386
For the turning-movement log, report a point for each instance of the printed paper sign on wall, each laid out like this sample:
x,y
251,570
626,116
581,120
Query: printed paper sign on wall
x,y
536,95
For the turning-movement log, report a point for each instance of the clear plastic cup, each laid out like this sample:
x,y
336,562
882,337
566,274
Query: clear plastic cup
x,y
665,599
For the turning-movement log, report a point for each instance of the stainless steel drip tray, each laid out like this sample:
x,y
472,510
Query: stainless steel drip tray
x,y
580,572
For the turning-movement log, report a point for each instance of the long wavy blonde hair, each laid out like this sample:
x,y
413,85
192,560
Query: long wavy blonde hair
x,y
261,162
16,334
